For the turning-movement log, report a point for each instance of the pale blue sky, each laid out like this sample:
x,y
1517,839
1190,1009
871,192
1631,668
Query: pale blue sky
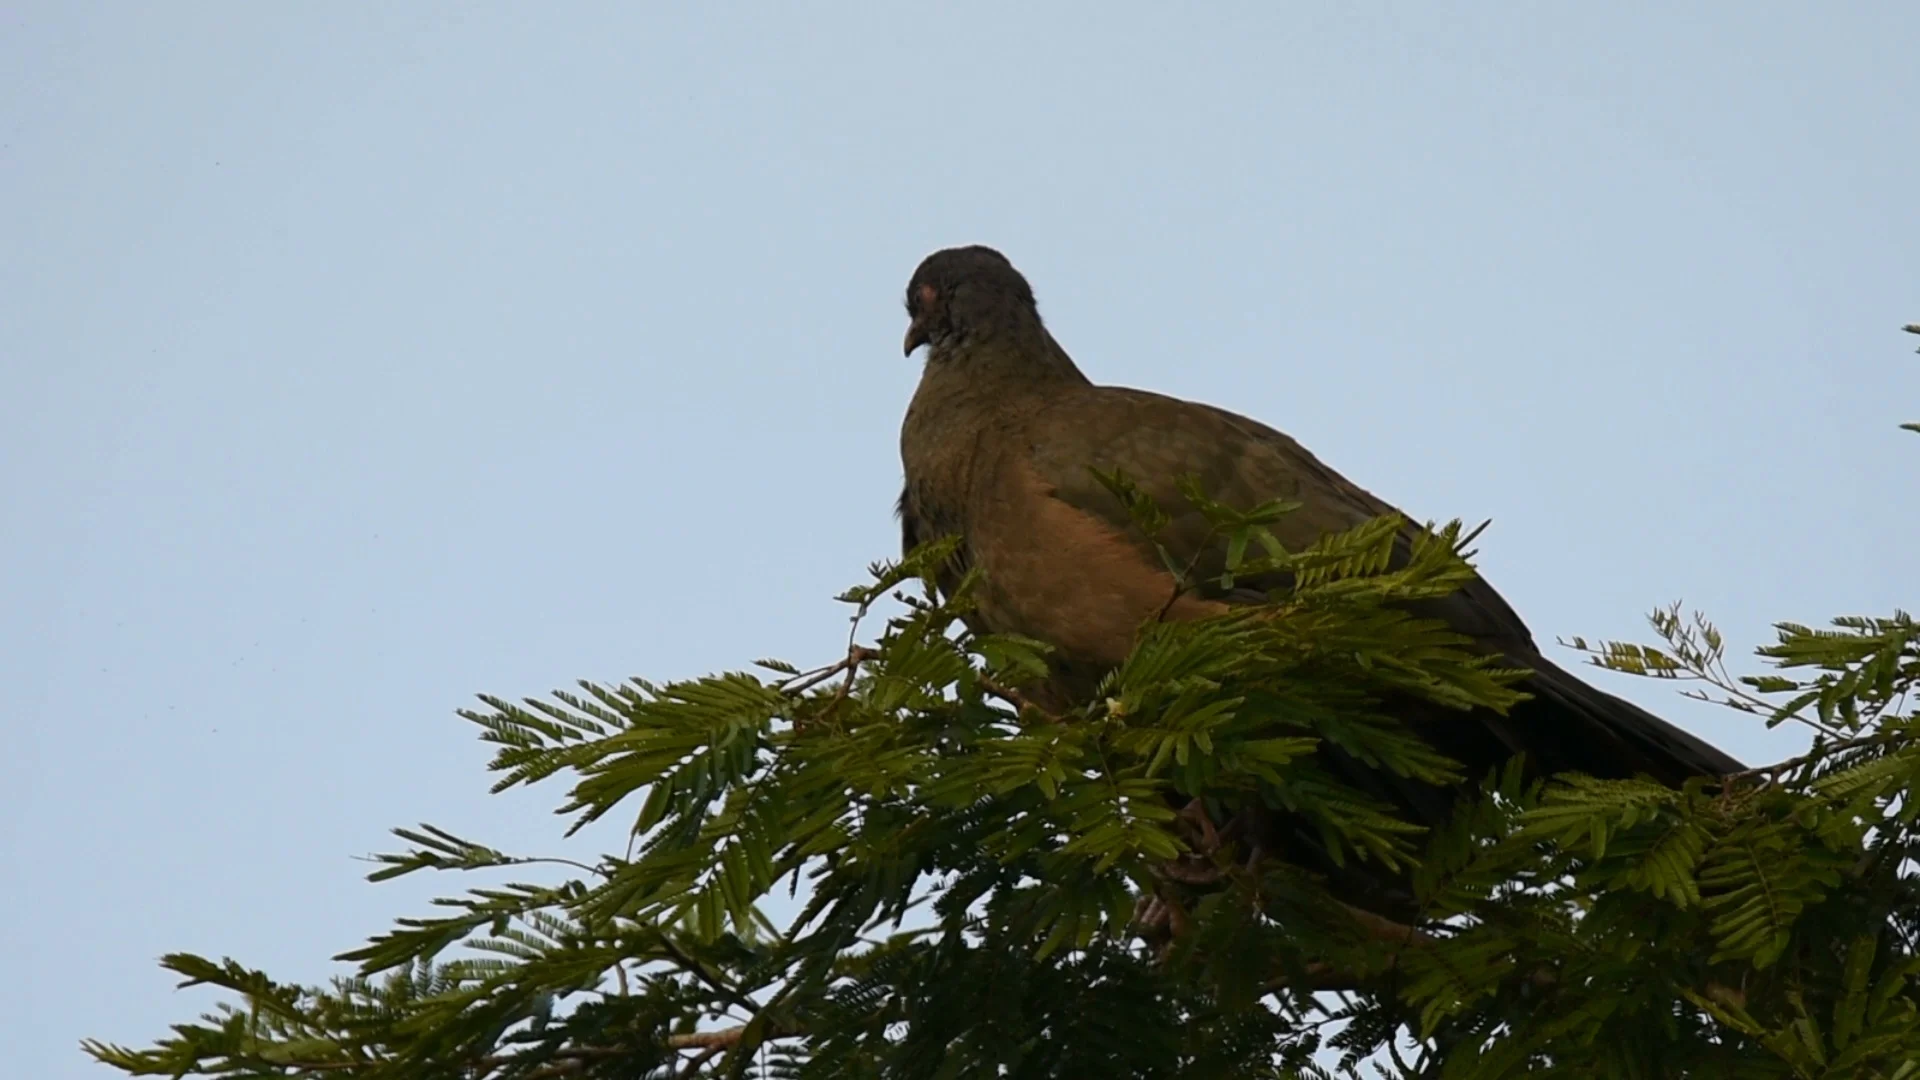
x,y
359,358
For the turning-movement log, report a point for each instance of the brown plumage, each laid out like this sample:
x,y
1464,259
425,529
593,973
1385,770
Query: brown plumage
x,y
998,444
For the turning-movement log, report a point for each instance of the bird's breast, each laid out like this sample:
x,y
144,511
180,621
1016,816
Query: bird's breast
x,y
1054,572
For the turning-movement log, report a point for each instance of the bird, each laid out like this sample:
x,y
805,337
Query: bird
x,y
1000,445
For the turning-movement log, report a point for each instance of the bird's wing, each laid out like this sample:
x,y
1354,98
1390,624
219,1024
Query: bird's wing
x,y
1155,440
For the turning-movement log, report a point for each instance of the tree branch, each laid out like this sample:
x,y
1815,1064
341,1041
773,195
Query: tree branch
x,y
801,683
1774,771
1020,702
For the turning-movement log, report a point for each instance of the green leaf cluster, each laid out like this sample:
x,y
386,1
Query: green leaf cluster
x,y
899,865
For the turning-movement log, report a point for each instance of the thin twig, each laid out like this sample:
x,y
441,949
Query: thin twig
x,y
805,681
1382,928
699,1060
714,982
1019,701
709,1040
573,1059
1773,772
1702,671
856,655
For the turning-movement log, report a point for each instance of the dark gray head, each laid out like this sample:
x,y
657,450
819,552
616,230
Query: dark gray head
x,y
967,293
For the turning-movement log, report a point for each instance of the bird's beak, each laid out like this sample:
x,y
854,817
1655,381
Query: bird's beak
x,y
916,337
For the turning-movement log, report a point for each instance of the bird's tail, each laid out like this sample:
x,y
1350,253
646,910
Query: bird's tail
x,y
1574,727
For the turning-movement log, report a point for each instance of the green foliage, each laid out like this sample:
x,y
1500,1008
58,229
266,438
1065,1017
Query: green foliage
x,y
900,865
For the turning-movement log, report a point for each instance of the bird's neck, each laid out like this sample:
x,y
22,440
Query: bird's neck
x,y
1006,363
975,400
980,389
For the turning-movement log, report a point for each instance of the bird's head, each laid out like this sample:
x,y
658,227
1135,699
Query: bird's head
x,y
966,293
